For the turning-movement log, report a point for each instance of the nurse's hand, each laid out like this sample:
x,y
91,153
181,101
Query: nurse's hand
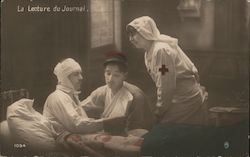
x,y
159,113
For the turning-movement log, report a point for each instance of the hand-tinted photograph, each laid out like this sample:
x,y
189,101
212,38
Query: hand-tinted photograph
x,y
127,78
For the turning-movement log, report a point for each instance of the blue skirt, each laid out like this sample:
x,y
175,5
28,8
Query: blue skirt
x,y
167,139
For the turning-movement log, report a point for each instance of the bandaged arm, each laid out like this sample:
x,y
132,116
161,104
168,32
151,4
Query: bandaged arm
x,y
94,103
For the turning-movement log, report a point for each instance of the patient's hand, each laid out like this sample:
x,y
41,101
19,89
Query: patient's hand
x,y
115,125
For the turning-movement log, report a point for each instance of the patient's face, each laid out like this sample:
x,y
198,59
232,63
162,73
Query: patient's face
x,y
114,77
76,79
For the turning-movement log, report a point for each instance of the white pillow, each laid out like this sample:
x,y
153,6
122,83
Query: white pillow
x,y
5,135
29,127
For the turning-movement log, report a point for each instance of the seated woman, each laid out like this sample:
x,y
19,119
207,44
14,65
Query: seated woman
x,y
118,97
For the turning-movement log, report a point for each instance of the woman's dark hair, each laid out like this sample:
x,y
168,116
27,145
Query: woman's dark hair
x,y
117,58
131,30
123,68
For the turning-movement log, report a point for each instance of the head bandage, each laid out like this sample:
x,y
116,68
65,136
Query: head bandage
x,y
64,69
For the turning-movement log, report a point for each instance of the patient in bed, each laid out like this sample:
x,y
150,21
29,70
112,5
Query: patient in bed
x,y
73,129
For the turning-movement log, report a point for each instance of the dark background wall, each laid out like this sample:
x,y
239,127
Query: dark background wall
x,y
33,43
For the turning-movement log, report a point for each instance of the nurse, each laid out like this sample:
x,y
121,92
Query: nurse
x,y
180,98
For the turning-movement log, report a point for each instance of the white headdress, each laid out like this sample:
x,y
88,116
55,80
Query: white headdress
x,y
146,26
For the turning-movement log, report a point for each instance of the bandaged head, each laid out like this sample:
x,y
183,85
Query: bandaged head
x,y
146,26
64,69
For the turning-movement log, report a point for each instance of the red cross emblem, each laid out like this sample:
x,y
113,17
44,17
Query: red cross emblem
x,y
163,69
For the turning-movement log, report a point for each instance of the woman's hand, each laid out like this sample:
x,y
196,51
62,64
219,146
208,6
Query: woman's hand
x,y
159,111
115,125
